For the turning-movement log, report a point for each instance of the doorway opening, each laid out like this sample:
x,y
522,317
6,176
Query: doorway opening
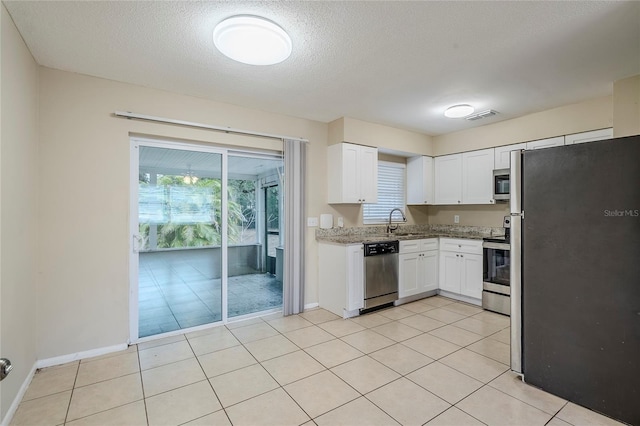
x,y
201,237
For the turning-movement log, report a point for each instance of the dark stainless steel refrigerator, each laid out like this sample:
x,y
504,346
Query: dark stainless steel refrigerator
x,y
575,251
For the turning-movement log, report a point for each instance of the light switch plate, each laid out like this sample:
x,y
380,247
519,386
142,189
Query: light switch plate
x,y
456,219
312,221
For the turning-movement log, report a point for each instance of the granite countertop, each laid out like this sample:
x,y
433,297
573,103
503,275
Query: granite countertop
x,y
408,232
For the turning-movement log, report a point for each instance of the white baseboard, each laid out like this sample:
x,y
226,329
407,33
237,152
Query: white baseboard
x,y
18,399
49,362
311,305
63,359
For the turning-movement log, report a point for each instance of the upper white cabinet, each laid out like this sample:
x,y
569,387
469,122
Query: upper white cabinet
x,y
594,135
502,155
464,178
448,179
420,178
353,174
477,177
546,143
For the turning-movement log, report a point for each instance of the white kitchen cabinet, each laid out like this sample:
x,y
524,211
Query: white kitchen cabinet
x,y
594,135
477,177
353,174
460,274
448,179
502,155
418,269
546,143
450,272
341,285
465,178
471,279
420,184
408,274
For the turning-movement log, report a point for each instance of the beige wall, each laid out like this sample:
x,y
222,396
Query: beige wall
x,y
360,132
575,118
18,211
489,215
388,140
581,117
626,107
84,184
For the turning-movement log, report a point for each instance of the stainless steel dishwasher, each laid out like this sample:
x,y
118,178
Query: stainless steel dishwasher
x,y
380,273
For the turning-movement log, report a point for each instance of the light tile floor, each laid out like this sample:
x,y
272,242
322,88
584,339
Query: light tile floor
x,y
178,290
434,362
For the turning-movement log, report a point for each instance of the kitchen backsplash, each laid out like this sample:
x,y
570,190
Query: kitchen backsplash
x,y
485,231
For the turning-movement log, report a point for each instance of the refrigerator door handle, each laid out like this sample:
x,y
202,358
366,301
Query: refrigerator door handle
x,y
517,215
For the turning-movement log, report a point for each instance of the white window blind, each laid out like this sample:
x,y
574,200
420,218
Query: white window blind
x,y
391,194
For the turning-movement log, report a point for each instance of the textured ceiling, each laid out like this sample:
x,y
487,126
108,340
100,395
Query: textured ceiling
x,y
395,63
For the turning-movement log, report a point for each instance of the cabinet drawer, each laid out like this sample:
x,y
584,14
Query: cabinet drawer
x,y
410,246
461,246
430,244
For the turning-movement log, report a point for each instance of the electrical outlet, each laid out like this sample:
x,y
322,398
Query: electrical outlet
x,y
456,218
312,221
340,222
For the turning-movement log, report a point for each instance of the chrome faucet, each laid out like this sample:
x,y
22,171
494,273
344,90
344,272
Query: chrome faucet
x,y
389,228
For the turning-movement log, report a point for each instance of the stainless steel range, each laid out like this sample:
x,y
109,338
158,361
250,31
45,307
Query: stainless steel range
x,y
496,287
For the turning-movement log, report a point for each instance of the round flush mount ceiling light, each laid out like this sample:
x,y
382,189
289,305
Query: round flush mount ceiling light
x,y
459,111
252,40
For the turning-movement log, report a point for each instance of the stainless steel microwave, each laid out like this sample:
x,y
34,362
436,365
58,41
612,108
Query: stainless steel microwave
x,y
501,184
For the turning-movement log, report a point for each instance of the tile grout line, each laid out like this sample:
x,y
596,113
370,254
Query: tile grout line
x,y
208,381
73,388
144,397
558,412
243,344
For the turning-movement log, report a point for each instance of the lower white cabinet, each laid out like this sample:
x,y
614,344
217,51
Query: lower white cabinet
x,y
341,286
460,271
418,271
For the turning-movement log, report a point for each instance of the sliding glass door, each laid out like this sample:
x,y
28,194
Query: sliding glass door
x,y
179,239
254,234
206,234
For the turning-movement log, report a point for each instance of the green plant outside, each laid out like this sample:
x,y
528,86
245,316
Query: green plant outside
x,y
240,210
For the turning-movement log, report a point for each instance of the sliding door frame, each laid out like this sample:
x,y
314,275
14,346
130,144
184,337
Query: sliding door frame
x,y
134,264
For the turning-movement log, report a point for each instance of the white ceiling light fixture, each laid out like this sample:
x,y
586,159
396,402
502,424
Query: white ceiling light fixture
x,y
252,40
459,111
